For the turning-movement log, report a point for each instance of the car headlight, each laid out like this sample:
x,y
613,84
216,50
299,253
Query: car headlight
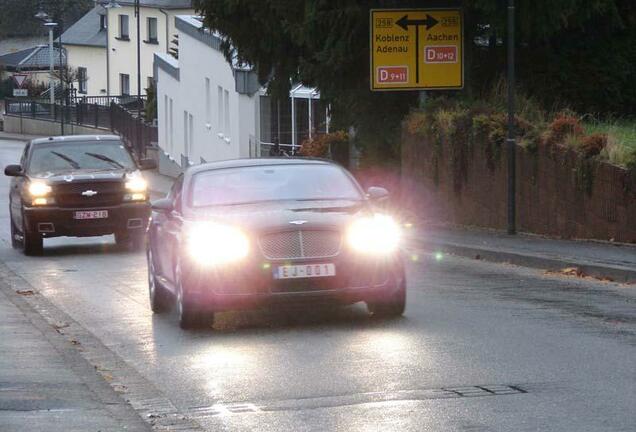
x,y
136,184
213,244
39,188
375,235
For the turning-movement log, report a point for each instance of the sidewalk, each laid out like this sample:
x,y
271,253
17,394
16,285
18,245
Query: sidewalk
x,y
45,385
599,259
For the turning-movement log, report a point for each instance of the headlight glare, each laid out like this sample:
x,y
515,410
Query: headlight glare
x,y
136,184
375,235
39,189
214,244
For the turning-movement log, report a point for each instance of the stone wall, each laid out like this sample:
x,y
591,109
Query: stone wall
x,y
30,126
558,193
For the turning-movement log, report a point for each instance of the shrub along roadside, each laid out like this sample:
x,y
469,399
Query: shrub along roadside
x,y
459,125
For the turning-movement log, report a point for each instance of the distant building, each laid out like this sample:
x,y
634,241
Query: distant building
x,y
207,108
35,62
102,45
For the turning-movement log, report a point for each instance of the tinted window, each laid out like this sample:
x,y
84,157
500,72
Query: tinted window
x,y
271,183
80,155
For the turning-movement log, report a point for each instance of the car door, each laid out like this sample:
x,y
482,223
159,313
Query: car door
x,y
15,194
162,225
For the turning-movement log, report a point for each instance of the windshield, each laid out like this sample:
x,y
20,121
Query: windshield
x,y
91,155
272,183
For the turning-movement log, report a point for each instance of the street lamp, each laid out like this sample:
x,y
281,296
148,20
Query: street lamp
x,y
51,26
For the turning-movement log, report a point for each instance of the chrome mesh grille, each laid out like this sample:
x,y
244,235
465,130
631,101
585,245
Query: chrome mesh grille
x,y
300,244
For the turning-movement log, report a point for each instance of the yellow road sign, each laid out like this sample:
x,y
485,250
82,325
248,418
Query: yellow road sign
x,y
416,49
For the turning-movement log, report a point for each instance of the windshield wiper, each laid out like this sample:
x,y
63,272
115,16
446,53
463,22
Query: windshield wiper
x,y
71,162
105,159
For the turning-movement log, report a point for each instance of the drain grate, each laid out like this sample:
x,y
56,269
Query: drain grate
x,y
224,409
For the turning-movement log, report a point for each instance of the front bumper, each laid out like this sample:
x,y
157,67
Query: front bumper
x,y
56,221
253,284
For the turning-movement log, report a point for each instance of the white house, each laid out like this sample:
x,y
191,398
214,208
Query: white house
x,y
102,45
207,108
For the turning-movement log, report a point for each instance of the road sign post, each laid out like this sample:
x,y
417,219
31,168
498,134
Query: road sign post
x,y
416,49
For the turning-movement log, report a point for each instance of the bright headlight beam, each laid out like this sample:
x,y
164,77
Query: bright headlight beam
x,y
136,184
39,189
213,244
378,234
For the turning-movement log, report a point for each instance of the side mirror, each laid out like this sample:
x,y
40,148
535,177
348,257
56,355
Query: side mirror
x,y
13,171
163,205
147,164
377,193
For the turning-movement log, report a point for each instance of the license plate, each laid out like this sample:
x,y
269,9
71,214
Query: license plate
x,y
304,271
91,214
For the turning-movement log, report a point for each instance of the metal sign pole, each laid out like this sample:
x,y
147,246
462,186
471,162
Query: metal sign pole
x,y
512,146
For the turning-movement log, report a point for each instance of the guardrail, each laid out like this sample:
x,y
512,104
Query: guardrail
x,y
118,114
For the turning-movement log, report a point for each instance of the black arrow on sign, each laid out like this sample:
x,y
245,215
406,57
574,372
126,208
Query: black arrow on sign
x,y
405,22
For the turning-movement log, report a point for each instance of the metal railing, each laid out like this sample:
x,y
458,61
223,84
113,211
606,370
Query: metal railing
x,y
117,114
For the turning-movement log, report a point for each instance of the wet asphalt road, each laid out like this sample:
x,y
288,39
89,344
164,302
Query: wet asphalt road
x,y
482,347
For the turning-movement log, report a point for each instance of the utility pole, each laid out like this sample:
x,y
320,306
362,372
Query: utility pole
x,y
511,143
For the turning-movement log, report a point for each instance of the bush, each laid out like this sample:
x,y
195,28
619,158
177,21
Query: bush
x,y
335,144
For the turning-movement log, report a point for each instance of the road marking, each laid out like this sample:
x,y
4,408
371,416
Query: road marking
x,y
227,409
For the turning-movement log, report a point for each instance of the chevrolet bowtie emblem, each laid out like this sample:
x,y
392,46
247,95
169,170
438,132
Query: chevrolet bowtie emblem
x,y
298,222
89,193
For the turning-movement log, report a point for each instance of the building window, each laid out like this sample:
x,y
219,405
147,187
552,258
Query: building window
x,y
208,104
219,95
227,114
123,27
81,79
103,22
152,31
124,84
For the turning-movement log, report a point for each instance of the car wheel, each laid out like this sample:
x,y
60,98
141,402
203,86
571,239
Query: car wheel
x,y
15,236
160,300
390,307
187,315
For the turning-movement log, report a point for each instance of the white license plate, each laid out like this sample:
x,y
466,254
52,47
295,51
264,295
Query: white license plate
x,y
304,271
91,214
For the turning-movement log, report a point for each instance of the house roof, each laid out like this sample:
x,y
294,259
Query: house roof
x,y
86,31
163,4
32,58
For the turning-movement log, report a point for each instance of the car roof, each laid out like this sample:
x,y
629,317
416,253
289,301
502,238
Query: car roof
x,y
240,163
74,138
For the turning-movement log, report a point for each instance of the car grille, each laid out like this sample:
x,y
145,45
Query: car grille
x,y
301,244
70,194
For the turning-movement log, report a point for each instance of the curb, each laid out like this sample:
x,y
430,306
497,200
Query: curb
x,y
532,261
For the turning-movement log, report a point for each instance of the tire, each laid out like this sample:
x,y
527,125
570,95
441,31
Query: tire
x,y
188,316
32,243
391,307
160,300
15,242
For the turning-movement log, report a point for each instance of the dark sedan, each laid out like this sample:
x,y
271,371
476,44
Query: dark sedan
x,y
88,185
246,233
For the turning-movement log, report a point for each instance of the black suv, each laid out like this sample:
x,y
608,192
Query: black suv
x,y
79,186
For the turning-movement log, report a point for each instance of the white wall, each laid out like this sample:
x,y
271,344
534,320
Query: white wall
x,y
220,129
123,54
94,60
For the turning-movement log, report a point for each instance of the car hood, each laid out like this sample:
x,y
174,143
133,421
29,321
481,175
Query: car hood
x,y
285,215
82,175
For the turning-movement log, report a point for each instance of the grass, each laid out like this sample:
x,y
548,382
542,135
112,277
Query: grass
x,y
623,131
621,146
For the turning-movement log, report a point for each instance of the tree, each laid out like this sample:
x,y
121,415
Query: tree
x,y
18,17
325,43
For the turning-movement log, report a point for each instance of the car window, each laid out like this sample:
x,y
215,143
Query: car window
x,y
90,155
175,193
272,183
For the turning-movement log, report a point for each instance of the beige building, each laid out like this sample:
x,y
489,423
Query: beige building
x,y
102,45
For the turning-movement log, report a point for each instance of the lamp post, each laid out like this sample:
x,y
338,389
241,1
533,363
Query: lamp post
x,y
511,143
